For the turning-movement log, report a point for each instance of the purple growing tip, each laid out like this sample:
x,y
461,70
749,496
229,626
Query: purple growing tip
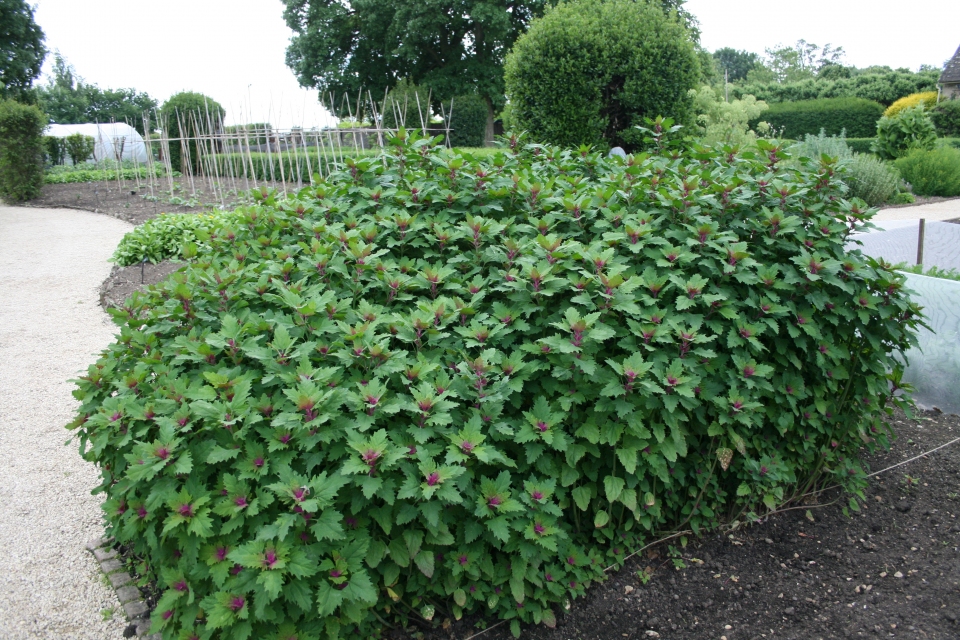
x,y
336,573
542,426
221,553
548,577
166,615
466,446
116,416
494,501
258,462
141,512
237,603
433,479
180,586
571,560
462,560
537,495
538,529
186,510
269,558
240,501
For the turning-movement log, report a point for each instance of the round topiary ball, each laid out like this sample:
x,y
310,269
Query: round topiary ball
x,y
590,70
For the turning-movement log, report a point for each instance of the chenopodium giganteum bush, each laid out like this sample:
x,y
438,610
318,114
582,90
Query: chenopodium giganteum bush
x,y
431,385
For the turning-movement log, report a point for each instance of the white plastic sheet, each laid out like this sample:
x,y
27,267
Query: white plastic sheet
x,y
934,368
108,139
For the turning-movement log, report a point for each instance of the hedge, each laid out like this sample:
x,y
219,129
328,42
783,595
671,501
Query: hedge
x,y
861,145
469,121
885,87
21,150
946,118
834,115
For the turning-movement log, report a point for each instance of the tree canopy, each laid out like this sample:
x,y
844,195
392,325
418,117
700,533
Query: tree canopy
x,y
21,48
736,63
448,47
68,99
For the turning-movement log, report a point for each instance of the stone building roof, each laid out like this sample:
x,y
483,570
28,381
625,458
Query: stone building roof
x,y
951,70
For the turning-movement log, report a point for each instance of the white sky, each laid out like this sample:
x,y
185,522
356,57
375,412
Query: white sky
x,y
233,50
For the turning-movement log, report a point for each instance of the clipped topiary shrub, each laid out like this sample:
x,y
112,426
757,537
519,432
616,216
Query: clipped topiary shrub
x,y
55,149
857,116
908,130
925,99
469,121
933,172
187,115
589,70
21,150
435,381
946,118
79,147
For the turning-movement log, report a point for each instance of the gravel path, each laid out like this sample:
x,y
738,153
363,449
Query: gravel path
x,y
52,262
942,210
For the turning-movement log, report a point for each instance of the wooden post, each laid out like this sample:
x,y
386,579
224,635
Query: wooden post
x,y
920,241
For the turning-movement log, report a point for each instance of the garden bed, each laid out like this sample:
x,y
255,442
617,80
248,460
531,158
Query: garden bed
x,y
792,577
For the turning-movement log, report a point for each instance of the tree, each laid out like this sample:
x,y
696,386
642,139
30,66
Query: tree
x,y
589,71
21,48
802,60
736,63
68,99
448,47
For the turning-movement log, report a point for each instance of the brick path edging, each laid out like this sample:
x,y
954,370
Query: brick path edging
x,y
134,607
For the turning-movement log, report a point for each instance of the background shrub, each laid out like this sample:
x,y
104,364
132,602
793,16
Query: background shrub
x,y
475,384
868,178
402,101
726,122
590,70
926,99
883,85
861,145
946,118
910,129
933,172
856,116
55,148
21,150
198,115
469,121
79,147
871,179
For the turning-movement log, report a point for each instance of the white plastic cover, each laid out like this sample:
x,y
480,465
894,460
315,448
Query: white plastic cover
x,y
934,369
108,138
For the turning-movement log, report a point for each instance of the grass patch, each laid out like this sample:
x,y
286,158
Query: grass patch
x,y
933,272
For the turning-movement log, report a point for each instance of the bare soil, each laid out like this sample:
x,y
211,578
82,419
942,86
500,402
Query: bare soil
x,y
890,571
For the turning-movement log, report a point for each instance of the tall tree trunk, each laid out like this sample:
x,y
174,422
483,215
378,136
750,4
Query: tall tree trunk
x,y
488,132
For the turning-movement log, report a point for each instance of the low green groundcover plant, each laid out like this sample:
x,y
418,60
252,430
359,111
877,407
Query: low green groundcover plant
x,y
433,384
100,175
165,237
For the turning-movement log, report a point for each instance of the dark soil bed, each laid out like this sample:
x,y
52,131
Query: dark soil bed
x,y
891,571
123,281
137,204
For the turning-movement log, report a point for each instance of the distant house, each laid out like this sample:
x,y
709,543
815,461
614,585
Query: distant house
x,y
950,78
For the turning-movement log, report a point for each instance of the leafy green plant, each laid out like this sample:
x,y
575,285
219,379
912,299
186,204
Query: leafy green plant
x,y
932,173
871,179
946,117
55,149
903,197
908,130
854,116
163,237
932,272
79,147
21,150
588,71
101,175
727,122
435,383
